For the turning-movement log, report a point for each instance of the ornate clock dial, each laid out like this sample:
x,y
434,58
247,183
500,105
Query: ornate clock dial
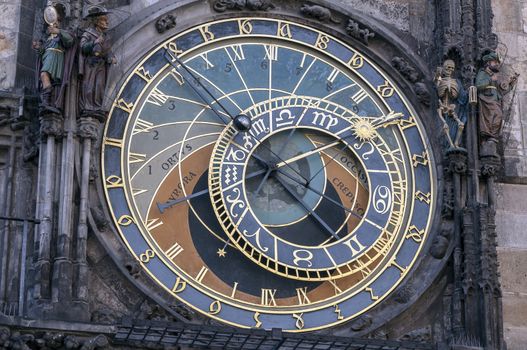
x,y
308,219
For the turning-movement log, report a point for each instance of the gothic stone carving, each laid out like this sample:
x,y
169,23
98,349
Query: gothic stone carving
x,y
362,34
51,124
319,13
251,5
165,23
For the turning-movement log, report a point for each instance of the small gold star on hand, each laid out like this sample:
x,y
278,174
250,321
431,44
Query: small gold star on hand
x,y
221,253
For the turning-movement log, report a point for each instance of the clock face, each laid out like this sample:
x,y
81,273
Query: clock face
x,y
268,175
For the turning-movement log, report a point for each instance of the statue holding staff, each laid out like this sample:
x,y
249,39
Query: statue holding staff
x,y
94,61
55,62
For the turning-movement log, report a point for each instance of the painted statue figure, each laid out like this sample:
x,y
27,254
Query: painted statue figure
x,y
55,61
453,100
94,61
490,94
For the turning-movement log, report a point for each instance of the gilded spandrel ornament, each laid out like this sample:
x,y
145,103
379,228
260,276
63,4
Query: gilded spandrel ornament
x,y
453,103
94,62
491,89
56,56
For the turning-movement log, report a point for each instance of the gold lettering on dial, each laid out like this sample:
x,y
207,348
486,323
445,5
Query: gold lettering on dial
x,y
338,312
302,255
284,31
177,76
172,47
267,297
420,159
201,274
205,57
125,220
356,61
246,26
147,255
234,289
179,285
256,318
136,157
122,104
423,197
157,97
359,96
143,73
335,286
354,245
301,293
322,41
142,126
299,324
153,223
237,50
215,307
386,90
109,141
415,234
173,251
206,33
114,181
271,52
138,191
372,296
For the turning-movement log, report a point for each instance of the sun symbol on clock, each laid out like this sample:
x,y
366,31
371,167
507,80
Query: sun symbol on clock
x,y
364,130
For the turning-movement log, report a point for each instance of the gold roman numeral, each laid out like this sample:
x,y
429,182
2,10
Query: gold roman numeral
x,y
301,293
201,274
173,251
267,297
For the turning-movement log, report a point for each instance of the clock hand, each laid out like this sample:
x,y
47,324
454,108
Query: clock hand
x,y
241,121
304,155
306,185
306,207
170,203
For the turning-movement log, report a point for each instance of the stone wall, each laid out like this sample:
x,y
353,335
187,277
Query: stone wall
x,y
510,23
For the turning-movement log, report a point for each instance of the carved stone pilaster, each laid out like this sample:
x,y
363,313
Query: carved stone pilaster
x,y
456,161
490,166
51,124
470,261
88,127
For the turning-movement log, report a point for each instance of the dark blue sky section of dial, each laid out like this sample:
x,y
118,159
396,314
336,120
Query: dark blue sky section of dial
x,y
407,252
288,62
371,75
264,27
227,81
224,29
189,40
161,271
118,199
251,67
112,161
302,34
316,81
338,50
385,281
355,304
117,123
155,62
133,88
420,217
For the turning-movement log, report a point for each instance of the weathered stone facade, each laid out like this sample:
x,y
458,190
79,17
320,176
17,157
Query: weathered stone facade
x,y
76,282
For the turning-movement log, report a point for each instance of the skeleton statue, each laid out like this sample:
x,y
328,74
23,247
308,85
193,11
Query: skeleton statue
x,y
452,103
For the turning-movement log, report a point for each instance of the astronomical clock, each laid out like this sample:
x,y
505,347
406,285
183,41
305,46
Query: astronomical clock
x,y
268,174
